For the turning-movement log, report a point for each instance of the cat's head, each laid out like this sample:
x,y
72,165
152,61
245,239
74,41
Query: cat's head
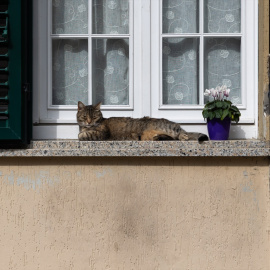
x,y
88,116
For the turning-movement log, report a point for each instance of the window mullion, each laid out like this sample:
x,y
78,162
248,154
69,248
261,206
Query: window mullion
x,y
131,54
50,64
201,64
90,30
160,33
243,52
68,36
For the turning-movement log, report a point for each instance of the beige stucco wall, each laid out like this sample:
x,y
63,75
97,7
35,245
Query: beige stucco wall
x,y
134,213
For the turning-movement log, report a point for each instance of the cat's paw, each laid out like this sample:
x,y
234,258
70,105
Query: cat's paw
x,y
183,137
83,136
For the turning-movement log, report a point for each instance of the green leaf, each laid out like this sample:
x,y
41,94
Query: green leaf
x,y
219,104
218,113
211,115
225,113
212,106
236,119
205,114
234,108
210,103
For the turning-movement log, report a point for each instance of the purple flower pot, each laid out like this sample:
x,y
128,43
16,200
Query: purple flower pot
x,y
219,129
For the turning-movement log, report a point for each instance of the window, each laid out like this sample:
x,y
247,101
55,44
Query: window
x,y
143,57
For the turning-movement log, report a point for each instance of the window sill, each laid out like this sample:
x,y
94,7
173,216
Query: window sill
x,y
75,148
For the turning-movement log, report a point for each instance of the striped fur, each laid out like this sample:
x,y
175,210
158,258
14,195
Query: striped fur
x,y
93,127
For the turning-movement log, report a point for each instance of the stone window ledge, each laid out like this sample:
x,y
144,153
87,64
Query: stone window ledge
x,y
75,148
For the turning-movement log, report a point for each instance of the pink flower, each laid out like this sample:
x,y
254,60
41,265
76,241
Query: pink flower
x,y
226,92
214,93
207,92
218,93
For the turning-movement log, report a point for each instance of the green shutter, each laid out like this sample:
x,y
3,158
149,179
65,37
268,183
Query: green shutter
x,y
15,69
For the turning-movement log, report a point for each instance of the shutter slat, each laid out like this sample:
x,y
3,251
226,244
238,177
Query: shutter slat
x,y
10,71
15,70
3,72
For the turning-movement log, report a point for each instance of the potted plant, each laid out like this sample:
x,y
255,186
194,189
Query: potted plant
x,y
219,113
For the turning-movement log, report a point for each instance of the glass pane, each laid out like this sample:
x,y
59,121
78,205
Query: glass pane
x,y
180,16
110,17
222,16
70,71
110,73
223,65
180,66
69,16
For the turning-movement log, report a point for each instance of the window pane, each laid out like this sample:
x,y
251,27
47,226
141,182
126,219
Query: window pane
x,y
110,17
70,71
223,65
70,17
222,16
180,16
110,73
180,65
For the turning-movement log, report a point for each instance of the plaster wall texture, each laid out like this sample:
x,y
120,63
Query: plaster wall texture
x,y
134,213
263,76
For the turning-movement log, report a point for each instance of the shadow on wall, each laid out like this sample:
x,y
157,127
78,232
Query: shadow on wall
x,y
237,132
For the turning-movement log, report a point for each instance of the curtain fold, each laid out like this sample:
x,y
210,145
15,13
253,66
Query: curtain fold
x,y
110,73
180,64
70,71
70,17
223,65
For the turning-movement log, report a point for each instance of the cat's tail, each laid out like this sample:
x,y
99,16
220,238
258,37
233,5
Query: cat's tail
x,y
202,137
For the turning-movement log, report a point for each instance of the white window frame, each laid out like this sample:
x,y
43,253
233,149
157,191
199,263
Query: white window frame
x,y
249,85
52,122
50,113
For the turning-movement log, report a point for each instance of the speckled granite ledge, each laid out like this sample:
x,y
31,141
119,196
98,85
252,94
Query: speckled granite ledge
x,y
74,148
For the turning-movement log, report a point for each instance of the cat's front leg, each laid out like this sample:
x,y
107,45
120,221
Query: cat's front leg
x,y
83,136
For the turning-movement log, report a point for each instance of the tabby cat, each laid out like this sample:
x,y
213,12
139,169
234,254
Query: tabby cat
x,y
93,127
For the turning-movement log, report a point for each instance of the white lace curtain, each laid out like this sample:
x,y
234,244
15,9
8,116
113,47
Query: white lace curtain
x,y
223,55
181,55
110,57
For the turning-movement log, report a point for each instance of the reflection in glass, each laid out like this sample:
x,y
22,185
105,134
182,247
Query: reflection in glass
x,y
110,71
222,16
180,16
223,65
69,16
69,71
180,67
110,16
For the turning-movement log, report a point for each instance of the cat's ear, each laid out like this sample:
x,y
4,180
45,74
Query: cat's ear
x,y
80,105
97,107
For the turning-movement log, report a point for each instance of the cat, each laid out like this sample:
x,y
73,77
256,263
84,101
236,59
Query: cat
x,y
93,127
